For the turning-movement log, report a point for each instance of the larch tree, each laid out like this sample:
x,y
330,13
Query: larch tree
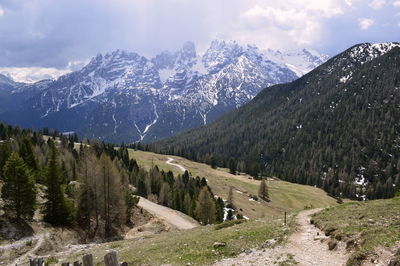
x,y
113,196
263,190
18,191
165,195
205,210
87,173
229,200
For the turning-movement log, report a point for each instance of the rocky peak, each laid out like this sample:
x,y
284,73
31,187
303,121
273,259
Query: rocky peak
x,y
220,54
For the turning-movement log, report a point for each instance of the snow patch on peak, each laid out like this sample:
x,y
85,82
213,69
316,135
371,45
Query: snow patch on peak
x,y
366,52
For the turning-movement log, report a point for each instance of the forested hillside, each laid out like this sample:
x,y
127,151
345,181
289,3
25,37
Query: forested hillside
x,y
89,186
337,127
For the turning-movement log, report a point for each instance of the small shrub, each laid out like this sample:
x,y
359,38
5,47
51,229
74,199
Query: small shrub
x,y
51,260
228,224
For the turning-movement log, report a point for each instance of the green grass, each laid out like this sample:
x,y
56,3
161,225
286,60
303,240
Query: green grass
x,y
193,246
284,196
373,224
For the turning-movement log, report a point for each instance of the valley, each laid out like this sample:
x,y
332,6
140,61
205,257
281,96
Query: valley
x,y
284,196
220,133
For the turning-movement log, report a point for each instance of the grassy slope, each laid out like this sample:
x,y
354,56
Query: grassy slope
x,y
194,245
284,195
371,224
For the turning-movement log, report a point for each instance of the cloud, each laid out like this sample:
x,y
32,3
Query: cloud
x,y
286,24
396,3
51,34
365,23
33,74
377,4
1,12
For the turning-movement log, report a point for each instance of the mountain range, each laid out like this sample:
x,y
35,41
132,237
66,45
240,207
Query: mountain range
x,y
125,97
336,127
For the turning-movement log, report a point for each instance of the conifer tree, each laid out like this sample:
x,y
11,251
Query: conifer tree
x,y
229,215
220,209
205,210
232,167
213,163
57,208
4,154
26,153
165,194
18,191
263,190
193,204
229,200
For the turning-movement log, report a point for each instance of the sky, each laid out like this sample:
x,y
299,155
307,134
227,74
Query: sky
x,y
46,38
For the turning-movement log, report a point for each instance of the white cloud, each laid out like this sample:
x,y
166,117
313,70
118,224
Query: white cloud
x,y
276,24
377,4
33,74
1,12
396,3
365,23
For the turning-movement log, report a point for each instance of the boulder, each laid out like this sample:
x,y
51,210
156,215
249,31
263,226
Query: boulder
x,y
219,244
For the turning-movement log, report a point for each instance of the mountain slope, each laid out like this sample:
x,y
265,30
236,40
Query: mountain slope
x,y
123,96
334,126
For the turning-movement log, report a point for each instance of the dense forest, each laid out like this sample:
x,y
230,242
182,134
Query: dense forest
x,y
335,127
89,185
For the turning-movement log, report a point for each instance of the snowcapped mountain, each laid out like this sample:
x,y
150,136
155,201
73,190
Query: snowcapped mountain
x,y
300,62
337,127
122,96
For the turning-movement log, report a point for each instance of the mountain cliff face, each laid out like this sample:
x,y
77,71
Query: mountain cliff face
x,y
123,96
336,127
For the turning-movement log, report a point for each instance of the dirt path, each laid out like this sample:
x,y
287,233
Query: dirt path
x,y
175,218
306,246
180,167
31,253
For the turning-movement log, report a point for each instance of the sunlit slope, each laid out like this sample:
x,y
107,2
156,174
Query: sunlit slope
x,y
284,196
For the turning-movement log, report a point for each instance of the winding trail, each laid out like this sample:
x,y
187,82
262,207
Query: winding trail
x,y
175,218
180,167
31,253
307,246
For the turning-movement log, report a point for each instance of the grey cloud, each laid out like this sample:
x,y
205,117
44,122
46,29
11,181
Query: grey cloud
x,y
51,33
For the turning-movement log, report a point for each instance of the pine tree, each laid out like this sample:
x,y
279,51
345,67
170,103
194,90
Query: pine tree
x,y
26,153
205,210
232,167
141,189
165,194
213,163
229,215
220,209
57,208
18,191
263,190
5,152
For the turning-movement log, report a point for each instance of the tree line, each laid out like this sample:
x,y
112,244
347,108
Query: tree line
x,y
91,185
